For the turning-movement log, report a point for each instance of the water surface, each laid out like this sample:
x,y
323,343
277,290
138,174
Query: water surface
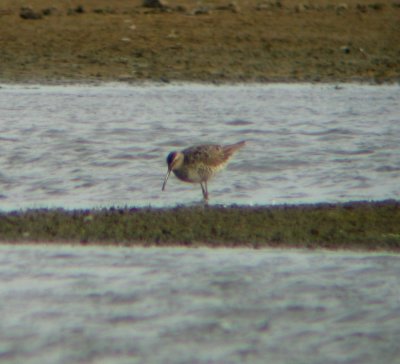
x,y
94,146
122,305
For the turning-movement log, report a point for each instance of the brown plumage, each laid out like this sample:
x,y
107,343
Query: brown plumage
x,y
198,164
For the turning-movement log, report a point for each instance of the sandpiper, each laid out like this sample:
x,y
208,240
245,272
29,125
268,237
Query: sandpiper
x,y
198,164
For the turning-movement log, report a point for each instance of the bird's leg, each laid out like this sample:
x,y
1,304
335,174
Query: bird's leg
x,y
204,190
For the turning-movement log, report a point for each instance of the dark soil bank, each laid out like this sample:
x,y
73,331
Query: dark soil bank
x,y
355,225
212,41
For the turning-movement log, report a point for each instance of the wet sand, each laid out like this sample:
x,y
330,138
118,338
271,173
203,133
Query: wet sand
x,y
208,41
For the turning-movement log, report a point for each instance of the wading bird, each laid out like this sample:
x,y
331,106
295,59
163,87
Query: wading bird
x,y
198,164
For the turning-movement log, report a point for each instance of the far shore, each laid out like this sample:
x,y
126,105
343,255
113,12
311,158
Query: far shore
x,y
219,41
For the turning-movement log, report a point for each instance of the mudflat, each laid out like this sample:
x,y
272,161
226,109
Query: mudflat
x,y
206,41
353,225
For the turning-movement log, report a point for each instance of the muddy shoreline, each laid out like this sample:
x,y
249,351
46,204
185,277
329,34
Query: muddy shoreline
x,y
367,226
218,41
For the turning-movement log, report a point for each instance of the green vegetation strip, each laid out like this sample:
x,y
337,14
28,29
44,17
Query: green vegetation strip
x,y
352,225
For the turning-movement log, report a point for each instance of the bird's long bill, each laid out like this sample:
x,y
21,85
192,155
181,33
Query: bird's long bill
x,y
165,180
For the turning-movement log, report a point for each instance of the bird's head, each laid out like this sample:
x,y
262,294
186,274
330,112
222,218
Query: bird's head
x,y
174,161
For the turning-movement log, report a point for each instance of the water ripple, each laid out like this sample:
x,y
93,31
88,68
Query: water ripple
x,y
85,146
72,305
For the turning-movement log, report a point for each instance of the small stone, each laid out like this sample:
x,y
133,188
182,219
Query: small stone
x,y
299,8
154,4
345,49
233,7
361,8
29,13
78,10
270,4
172,34
376,6
50,11
341,8
203,10
181,9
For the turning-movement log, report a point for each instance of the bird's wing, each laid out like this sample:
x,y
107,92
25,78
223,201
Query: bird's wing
x,y
212,155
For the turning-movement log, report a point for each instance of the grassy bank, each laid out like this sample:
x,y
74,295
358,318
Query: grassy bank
x,y
353,225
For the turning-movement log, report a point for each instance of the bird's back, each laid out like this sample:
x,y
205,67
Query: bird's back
x,y
203,161
211,155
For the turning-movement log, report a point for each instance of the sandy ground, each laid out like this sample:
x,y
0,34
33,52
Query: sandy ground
x,y
207,41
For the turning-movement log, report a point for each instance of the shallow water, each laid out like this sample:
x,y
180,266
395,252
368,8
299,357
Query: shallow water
x,y
122,305
95,146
